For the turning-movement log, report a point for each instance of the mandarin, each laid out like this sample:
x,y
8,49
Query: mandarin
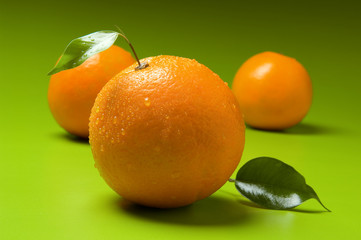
x,y
166,135
274,91
72,92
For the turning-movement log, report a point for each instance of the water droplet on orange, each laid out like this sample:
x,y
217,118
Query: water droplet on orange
x,y
146,102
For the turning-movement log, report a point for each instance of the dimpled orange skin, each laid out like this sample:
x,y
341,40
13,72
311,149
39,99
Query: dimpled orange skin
x,y
274,91
72,92
167,135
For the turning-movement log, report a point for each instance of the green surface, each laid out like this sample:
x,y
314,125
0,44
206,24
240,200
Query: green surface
x,y
49,186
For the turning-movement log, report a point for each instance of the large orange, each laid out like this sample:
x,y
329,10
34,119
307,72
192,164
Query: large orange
x,y
167,135
72,92
274,91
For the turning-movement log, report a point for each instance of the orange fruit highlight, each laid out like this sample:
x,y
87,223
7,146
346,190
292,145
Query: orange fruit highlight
x,y
167,135
72,92
274,91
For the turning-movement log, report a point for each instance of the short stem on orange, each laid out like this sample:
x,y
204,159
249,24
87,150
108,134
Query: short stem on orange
x,y
231,180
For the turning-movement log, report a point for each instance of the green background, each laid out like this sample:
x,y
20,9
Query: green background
x,y
49,188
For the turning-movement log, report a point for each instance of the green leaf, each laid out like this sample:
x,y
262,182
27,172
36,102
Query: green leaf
x,y
273,184
80,49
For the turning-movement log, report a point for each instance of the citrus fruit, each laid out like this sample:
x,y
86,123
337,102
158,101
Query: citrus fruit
x,y
166,135
72,92
274,91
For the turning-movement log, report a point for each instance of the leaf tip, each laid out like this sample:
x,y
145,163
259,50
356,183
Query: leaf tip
x,y
328,210
54,70
51,72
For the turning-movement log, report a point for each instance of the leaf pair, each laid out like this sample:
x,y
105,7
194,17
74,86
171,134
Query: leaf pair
x,y
273,184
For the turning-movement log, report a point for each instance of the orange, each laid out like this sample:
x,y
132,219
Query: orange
x,y
274,91
72,92
167,135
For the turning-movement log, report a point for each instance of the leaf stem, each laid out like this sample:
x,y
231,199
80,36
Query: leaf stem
x,y
231,180
135,54
140,65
